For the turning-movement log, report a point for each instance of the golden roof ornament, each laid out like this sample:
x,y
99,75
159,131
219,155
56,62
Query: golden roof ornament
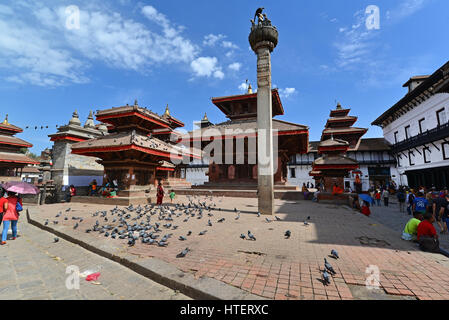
x,y
205,117
250,89
339,106
167,111
6,120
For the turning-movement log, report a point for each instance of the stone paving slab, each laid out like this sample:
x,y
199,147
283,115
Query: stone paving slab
x,y
32,267
271,267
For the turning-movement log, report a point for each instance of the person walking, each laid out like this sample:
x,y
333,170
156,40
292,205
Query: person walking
x,y
3,207
160,193
401,199
386,197
377,197
11,216
410,201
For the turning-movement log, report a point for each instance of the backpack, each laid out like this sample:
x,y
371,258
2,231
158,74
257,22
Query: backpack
x,y
18,206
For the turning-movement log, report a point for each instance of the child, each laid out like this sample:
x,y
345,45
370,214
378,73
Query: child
x,y
172,196
411,228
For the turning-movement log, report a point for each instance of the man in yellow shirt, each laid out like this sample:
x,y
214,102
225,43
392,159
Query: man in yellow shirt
x,y
411,228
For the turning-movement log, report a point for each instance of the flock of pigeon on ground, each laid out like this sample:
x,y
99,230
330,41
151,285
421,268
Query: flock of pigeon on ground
x,y
161,218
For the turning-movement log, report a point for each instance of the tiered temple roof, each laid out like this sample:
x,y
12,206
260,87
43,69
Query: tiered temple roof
x,y
337,139
10,156
132,146
339,126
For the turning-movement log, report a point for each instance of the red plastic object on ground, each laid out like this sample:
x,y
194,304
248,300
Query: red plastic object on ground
x,y
93,276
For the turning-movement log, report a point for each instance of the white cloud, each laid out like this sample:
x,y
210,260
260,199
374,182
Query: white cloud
x,y
235,66
33,59
229,45
287,92
42,51
243,87
207,67
212,39
407,8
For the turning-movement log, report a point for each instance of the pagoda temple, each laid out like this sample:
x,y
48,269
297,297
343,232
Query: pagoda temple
x,y
12,161
131,153
337,139
241,110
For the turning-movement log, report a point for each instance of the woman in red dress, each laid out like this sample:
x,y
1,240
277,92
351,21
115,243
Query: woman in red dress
x,y
160,193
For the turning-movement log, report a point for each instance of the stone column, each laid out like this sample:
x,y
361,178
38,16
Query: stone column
x,y
264,128
263,39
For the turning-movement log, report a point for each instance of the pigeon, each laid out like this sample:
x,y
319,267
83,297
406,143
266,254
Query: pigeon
x,y
189,233
162,244
334,254
287,234
183,253
328,267
326,278
131,242
306,223
308,218
258,214
267,220
46,222
88,230
238,217
242,236
277,218
209,223
251,236
221,220
67,210
202,233
182,238
55,222
75,226
55,240
66,218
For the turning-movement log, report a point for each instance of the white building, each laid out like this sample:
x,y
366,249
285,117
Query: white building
x,y
417,127
377,165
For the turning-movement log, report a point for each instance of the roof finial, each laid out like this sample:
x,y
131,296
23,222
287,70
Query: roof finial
x,y
167,111
205,117
75,119
6,120
135,102
339,106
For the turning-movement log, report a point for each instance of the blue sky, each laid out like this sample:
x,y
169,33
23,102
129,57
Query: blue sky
x,y
185,52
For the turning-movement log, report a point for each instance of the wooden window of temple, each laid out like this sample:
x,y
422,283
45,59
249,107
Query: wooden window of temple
x,y
422,125
410,153
426,155
407,132
293,172
445,147
441,117
396,137
245,108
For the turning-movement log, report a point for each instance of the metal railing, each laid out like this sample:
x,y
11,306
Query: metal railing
x,y
429,136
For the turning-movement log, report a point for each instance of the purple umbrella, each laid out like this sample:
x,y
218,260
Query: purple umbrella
x,y
20,187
